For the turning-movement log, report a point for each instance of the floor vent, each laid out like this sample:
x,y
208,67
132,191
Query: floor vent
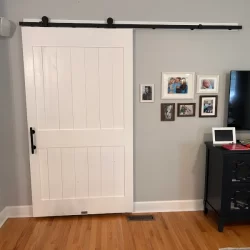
x,y
140,217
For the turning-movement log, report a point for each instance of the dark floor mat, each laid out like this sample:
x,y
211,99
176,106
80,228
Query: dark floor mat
x,y
140,217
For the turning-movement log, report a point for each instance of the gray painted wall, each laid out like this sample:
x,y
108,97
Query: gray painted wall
x,y
2,124
2,203
169,156
6,124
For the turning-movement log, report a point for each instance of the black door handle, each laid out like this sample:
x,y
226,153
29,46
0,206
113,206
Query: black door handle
x,y
33,147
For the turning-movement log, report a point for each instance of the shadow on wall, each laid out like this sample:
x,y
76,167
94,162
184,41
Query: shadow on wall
x,y
7,146
9,164
12,29
226,99
193,161
134,114
193,154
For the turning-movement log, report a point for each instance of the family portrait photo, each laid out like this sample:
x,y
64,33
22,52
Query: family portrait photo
x,y
186,109
167,112
207,84
208,106
177,85
147,93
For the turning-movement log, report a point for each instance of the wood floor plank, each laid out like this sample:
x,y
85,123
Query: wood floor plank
x,y
173,231
129,242
12,231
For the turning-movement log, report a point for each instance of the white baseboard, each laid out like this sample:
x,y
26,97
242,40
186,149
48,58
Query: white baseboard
x,y
15,212
168,206
139,207
3,217
19,211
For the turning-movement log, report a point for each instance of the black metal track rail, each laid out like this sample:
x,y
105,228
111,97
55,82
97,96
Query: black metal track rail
x,y
110,24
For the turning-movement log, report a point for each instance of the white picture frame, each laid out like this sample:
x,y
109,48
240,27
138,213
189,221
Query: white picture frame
x,y
208,84
178,85
147,93
216,142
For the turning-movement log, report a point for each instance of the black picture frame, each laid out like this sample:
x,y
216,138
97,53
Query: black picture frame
x,y
163,108
216,106
181,104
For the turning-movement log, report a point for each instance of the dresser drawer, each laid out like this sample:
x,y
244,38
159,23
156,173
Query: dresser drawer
x,y
239,167
240,198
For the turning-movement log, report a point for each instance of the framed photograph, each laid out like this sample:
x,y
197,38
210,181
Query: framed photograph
x,y
224,136
208,84
186,109
208,106
147,93
167,112
177,85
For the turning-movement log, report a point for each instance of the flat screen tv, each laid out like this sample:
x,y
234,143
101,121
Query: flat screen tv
x,y
239,100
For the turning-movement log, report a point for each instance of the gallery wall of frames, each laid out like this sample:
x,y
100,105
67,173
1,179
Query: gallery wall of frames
x,y
182,86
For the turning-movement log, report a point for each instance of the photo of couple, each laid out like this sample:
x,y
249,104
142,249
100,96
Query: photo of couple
x,y
177,85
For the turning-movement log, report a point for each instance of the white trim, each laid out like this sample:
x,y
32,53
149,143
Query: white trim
x,y
15,212
126,22
139,207
3,217
168,206
19,212
224,142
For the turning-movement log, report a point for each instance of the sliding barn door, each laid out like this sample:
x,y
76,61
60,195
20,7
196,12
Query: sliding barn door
x,y
79,92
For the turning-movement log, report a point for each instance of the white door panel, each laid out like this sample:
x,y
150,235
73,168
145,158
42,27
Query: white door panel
x,y
80,138
79,88
79,92
51,93
82,173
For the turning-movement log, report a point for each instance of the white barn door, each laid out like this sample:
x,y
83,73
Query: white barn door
x,y
79,96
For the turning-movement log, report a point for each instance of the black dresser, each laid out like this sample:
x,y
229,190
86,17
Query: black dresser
x,y
227,185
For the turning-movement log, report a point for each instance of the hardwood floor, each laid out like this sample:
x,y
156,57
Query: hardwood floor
x,y
170,231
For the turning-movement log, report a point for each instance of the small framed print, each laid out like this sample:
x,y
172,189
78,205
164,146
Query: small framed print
x,y
208,84
147,93
208,106
186,109
177,85
167,112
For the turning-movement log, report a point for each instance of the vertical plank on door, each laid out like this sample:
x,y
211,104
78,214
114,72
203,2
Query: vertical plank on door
x,y
68,173
78,87
38,72
107,157
92,87
118,87
106,87
82,172
44,173
65,88
55,173
95,174
50,87
119,171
